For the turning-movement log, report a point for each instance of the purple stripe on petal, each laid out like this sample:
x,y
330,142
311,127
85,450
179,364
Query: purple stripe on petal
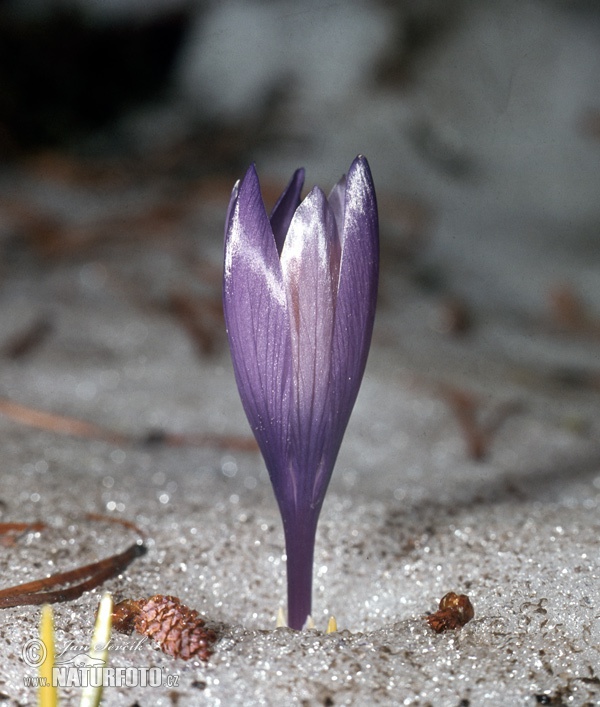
x,y
284,209
257,321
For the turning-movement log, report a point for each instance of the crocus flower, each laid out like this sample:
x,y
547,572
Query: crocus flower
x,y
299,297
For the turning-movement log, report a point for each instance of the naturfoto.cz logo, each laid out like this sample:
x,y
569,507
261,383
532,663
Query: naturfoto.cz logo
x,y
82,670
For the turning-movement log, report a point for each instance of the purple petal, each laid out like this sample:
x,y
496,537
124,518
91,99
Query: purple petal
x,y
257,321
310,266
356,297
284,209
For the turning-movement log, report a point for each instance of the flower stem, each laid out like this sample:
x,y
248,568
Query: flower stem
x,y
300,535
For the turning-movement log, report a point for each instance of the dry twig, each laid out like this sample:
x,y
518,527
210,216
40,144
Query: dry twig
x,y
88,577
478,435
60,424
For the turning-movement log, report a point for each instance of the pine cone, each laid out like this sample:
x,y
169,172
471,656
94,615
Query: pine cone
x,y
178,630
455,611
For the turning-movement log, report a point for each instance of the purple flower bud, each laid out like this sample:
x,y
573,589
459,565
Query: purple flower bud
x,y
299,297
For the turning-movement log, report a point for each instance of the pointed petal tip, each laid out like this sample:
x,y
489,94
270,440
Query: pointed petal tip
x,y
246,196
245,189
315,196
251,176
360,187
283,211
296,183
360,164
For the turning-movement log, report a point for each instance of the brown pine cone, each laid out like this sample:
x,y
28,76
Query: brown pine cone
x,y
178,630
455,611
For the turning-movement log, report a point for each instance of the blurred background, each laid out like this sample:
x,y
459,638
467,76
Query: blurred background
x,y
123,125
